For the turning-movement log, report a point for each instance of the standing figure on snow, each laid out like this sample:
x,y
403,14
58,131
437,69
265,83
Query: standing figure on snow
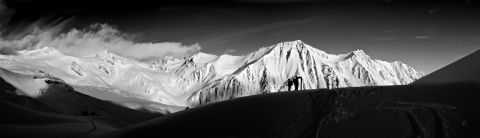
x,y
289,84
298,81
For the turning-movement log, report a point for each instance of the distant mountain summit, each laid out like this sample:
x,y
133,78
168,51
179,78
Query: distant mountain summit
x,y
169,84
295,65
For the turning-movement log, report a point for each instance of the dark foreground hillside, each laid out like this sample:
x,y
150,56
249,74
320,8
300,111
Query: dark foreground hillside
x,y
449,110
445,110
61,112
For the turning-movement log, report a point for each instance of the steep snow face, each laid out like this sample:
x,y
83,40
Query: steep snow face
x,y
295,66
103,70
204,78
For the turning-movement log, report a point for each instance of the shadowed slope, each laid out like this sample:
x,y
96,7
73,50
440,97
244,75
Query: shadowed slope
x,y
7,93
61,112
23,116
465,69
395,111
279,114
65,98
413,111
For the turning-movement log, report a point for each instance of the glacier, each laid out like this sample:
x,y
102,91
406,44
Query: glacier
x,y
170,84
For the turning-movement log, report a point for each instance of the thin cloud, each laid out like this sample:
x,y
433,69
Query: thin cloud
x,y
89,41
229,51
382,38
422,37
389,31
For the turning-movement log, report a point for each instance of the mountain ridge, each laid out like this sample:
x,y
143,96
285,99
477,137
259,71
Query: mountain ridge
x,y
296,55
204,78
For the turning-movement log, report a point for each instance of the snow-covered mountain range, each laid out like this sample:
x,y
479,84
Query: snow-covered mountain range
x,y
170,84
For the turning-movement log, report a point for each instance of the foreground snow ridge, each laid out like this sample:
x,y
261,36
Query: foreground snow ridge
x,y
205,78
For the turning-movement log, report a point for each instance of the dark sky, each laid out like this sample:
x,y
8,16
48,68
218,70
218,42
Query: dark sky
x,y
424,34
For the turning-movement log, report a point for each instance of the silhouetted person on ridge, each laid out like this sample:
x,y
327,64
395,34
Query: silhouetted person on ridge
x,y
298,82
289,84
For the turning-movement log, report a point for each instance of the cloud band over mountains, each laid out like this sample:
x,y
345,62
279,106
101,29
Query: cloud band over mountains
x,y
83,42
89,41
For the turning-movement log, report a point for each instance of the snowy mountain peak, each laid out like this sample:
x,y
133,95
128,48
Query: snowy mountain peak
x,y
298,49
203,57
204,78
293,45
360,53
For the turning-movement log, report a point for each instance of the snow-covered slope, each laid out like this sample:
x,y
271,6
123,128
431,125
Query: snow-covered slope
x,y
204,78
295,66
